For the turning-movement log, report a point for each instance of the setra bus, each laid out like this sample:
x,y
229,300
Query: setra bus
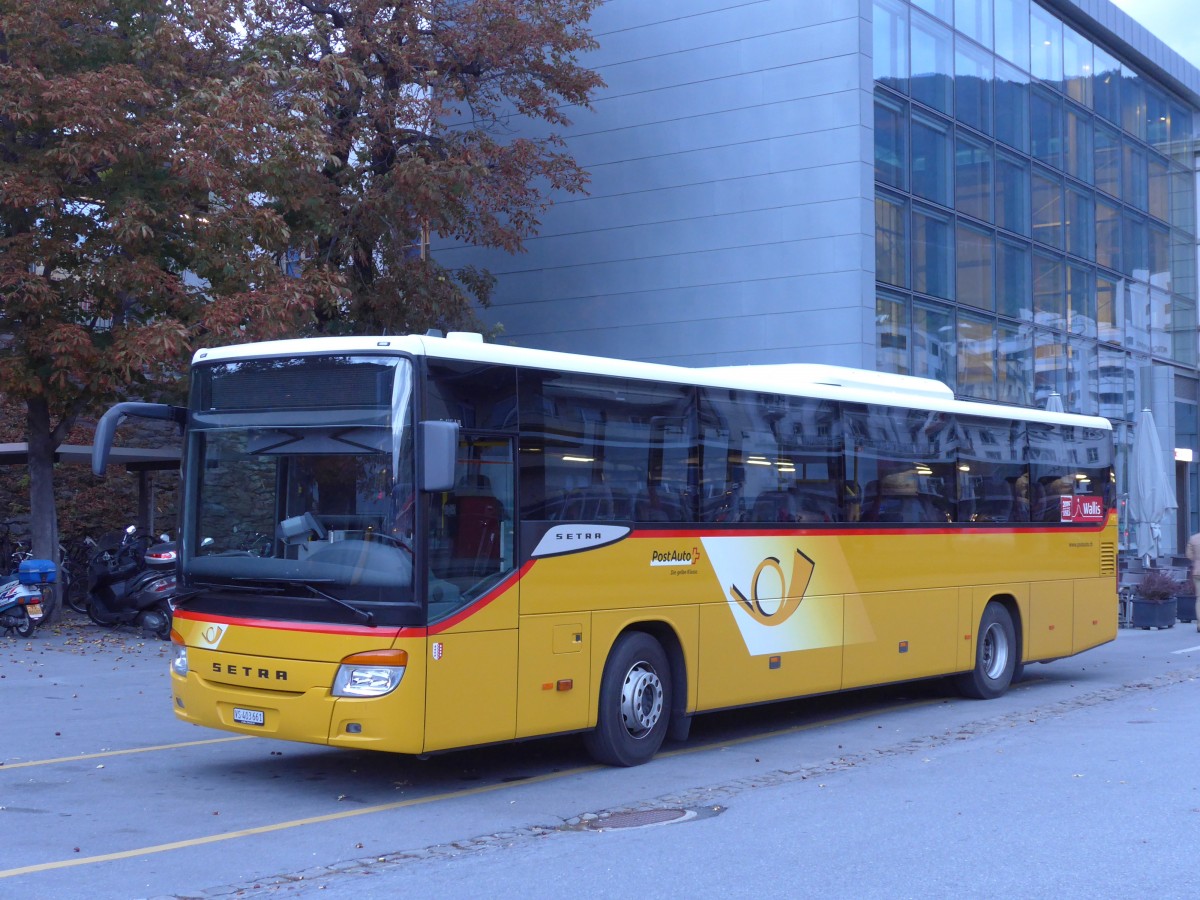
x,y
422,543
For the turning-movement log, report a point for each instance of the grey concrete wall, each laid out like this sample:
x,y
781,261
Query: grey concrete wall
x,y
730,216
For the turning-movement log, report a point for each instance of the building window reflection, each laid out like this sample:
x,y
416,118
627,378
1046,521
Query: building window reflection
x,y
1108,234
891,246
1012,31
1077,66
1080,222
1110,313
1012,104
973,179
1049,365
1059,195
891,333
1047,208
1046,126
1106,85
1013,280
976,357
1049,291
975,263
1081,301
890,33
932,252
974,19
933,342
1137,316
891,140
1082,393
1045,46
932,158
973,86
1014,370
932,55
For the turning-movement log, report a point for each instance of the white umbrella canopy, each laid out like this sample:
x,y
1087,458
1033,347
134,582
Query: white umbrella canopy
x,y
1150,491
1054,402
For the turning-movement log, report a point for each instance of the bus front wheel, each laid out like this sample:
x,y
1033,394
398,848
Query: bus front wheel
x,y
996,656
635,702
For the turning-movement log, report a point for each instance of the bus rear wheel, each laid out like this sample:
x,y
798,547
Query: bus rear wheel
x,y
635,702
996,656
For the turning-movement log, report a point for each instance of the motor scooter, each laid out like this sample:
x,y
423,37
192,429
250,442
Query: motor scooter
x,y
127,584
22,599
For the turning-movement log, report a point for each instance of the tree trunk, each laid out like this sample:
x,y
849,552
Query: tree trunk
x,y
43,519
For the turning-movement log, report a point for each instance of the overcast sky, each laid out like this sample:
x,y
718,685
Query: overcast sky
x,y
1174,22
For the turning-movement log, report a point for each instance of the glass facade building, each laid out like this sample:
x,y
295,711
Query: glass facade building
x,y
1036,225
999,194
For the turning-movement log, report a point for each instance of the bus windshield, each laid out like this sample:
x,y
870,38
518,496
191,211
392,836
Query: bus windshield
x,y
301,485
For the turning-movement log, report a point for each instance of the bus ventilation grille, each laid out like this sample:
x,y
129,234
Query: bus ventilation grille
x,y
1108,559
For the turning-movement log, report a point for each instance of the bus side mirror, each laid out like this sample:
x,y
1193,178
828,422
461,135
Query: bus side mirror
x,y
107,426
439,441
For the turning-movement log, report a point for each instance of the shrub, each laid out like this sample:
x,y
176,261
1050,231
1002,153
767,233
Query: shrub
x,y
1158,586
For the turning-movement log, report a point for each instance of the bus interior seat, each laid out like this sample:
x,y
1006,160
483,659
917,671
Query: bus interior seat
x,y
774,506
588,504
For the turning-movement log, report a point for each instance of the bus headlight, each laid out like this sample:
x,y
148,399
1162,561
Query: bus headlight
x,y
179,663
370,674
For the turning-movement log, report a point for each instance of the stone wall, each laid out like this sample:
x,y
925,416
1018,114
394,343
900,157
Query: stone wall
x,y
87,505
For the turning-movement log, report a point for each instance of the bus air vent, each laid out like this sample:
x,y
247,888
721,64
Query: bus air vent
x,y
1108,559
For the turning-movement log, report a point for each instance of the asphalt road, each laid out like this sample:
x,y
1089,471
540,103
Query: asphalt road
x,y
1081,782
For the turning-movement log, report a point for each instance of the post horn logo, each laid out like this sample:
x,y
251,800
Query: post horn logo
x,y
777,609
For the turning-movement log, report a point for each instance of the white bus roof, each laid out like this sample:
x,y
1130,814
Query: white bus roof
x,y
801,379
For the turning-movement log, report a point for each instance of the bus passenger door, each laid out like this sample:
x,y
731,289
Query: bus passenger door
x,y
471,692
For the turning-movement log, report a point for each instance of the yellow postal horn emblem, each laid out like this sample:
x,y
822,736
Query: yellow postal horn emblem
x,y
777,609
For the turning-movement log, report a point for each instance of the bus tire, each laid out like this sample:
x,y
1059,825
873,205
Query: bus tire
x,y
635,703
996,656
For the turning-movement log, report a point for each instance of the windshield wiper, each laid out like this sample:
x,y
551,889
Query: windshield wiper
x,y
362,614
226,586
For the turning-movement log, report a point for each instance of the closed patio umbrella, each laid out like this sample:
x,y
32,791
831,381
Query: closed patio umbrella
x,y
1054,402
1150,491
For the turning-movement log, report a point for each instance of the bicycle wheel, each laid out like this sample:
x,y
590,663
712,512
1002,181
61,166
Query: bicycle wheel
x,y
74,590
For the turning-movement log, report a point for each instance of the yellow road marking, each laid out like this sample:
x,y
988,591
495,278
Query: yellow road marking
x,y
294,823
106,753
415,801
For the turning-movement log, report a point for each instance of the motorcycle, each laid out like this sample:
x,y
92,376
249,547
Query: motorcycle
x,y
132,584
22,598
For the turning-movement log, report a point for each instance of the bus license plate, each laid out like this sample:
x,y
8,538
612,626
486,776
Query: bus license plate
x,y
248,716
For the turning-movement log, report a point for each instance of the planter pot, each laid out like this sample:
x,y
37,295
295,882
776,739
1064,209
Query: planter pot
x,y
1186,611
1153,615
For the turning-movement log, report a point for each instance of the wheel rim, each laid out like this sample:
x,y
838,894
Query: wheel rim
x,y
641,699
24,626
995,651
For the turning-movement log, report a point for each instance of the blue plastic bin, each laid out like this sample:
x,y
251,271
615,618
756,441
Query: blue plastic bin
x,y
37,571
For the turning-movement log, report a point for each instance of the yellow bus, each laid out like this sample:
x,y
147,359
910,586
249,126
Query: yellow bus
x,y
422,543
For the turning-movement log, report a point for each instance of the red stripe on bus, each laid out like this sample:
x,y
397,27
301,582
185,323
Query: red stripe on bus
x,y
405,631
308,627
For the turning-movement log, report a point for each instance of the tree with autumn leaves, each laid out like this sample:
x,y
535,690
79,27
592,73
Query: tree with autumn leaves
x,y
180,175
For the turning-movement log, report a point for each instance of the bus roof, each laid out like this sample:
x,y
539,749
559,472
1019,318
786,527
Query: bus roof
x,y
799,379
